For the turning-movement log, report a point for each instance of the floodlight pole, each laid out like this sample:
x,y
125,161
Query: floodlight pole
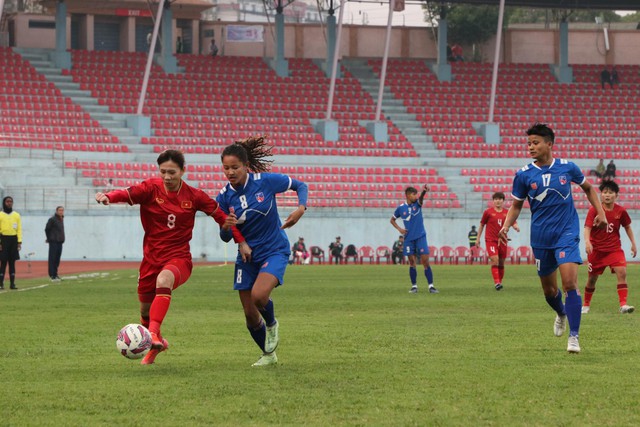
x,y
334,66
1,9
152,48
385,58
496,62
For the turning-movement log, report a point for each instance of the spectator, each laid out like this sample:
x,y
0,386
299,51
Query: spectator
x,y
450,57
299,250
109,185
614,77
473,236
457,53
599,170
149,37
605,77
335,248
213,48
54,230
610,172
397,251
179,45
10,240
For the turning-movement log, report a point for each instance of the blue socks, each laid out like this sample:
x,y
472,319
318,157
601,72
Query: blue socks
x,y
429,275
259,334
268,314
573,307
556,303
413,275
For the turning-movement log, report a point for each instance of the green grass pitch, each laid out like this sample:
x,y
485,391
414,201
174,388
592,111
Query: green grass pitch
x,y
356,349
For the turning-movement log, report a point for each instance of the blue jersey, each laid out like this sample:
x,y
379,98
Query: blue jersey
x,y
412,217
554,220
255,206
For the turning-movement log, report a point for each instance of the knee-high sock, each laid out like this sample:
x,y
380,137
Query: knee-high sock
x,y
495,273
501,272
556,303
573,307
268,314
588,294
413,275
159,308
623,291
3,268
259,334
428,273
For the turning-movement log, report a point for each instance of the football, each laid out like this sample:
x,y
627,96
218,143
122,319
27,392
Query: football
x,y
134,341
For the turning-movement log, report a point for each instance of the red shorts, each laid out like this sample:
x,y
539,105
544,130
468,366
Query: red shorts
x,y
495,249
181,269
598,261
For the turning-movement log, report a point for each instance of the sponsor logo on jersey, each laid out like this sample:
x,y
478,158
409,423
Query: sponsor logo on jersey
x,y
186,204
265,265
561,254
260,197
159,200
563,179
534,186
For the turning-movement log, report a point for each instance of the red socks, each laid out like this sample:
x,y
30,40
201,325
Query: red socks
x,y
623,290
588,294
495,272
159,308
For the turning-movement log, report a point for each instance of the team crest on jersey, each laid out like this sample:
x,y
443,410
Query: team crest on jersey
x,y
186,204
561,254
159,200
563,179
260,197
534,186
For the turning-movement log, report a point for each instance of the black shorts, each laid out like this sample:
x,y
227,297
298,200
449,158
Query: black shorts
x,y
9,248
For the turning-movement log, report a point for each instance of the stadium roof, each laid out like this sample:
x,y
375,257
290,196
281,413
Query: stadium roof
x,y
562,4
180,8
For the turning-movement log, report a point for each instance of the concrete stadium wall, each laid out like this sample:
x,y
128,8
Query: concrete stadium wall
x,y
117,234
520,45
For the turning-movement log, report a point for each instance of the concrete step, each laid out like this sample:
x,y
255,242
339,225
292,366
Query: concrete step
x,y
113,123
91,109
82,101
76,94
130,140
120,132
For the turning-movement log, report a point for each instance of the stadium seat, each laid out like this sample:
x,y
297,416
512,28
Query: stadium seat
x,y
524,253
447,253
317,253
383,253
462,253
367,252
479,254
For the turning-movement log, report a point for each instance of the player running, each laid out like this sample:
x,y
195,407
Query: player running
x,y
555,227
493,218
415,235
168,208
604,248
250,196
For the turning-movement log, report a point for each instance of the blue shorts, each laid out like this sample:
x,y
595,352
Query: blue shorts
x,y
548,260
246,273
417,246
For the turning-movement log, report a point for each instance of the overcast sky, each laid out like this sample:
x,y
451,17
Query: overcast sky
x,y
377,14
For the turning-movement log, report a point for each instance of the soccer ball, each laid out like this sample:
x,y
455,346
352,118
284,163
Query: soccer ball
x,y
134,341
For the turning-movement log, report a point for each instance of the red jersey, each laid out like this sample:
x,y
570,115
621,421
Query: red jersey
x,y
168,217
608,239
493,222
